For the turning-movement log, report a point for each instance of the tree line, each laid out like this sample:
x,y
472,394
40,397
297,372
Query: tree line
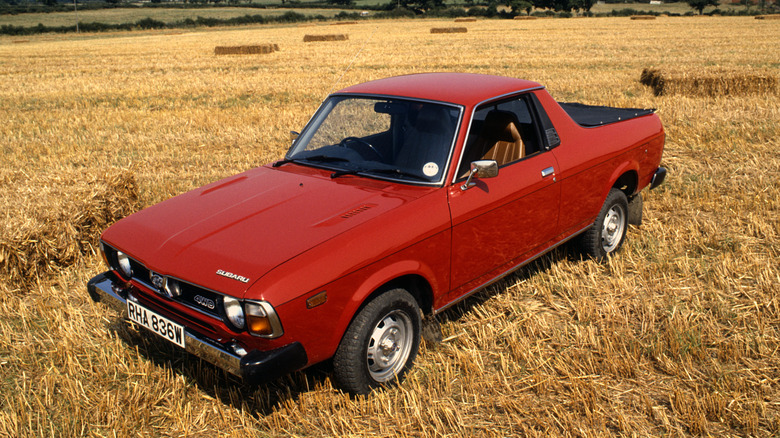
x,y
518,7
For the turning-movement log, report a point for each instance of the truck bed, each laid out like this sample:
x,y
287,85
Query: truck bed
x,y
593,115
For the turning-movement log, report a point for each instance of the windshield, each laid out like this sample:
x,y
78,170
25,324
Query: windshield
x,y
385,138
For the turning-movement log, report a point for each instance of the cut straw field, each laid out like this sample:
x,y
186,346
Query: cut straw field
x,y
678,335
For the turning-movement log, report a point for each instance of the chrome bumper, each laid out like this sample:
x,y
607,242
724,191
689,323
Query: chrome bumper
x,y
253,367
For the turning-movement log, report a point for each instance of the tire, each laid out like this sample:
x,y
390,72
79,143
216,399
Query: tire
x,y
380,345
607,234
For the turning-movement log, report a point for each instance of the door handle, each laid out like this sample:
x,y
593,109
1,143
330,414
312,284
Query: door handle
x,y
547,172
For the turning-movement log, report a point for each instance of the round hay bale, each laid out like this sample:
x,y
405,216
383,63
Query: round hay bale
x,y
331,37
643,17
449,30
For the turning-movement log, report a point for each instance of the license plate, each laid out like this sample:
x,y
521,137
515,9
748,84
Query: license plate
x,y
156,323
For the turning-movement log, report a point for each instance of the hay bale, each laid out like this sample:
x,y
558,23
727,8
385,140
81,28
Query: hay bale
x,y
643,17
449,30
465,20
246,50
768,17
710,82
330,37
57,219
525,17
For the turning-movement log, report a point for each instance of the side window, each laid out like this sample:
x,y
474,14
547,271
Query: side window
x,y
504,131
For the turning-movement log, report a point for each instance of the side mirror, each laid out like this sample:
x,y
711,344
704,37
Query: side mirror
x,y
294,136
480,169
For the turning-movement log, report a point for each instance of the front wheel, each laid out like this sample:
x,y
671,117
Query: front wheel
x,y
380,344
607,234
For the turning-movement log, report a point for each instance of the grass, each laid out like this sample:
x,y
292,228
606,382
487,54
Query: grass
x,y
677,335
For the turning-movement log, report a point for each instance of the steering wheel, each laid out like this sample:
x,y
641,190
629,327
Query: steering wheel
x,y
345,140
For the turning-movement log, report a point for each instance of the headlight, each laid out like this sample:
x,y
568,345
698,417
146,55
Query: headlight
x,y
261,320
124,264
172,287
234,312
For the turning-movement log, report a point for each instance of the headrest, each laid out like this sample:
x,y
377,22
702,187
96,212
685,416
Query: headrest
x,y
432,119
500,126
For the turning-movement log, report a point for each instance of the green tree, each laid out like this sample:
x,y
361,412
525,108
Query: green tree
x,y
520,5
420,6
342,2
699,5
556,5
585,5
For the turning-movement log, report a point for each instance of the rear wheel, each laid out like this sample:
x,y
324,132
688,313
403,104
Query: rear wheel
x,y
380,344
607,234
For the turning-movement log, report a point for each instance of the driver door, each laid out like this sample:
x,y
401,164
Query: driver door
x,y
502,221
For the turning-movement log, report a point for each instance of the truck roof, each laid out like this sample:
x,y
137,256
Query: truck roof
x,y
460,88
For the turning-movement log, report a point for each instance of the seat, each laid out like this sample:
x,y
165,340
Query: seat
x,y
427,140
500,138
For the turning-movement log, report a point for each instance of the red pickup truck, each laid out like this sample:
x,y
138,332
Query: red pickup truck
x,y
399,198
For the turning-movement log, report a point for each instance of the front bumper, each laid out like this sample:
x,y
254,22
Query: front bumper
x,y
254,367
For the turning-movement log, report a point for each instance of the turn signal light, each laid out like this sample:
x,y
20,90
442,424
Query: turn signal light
x,y
259,325
257,319
261,319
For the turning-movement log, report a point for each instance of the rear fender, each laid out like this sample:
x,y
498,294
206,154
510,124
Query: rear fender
x,y
631,166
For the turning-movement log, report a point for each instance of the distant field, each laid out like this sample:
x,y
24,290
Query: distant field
x,y
678,335
169,15
131,15
675,8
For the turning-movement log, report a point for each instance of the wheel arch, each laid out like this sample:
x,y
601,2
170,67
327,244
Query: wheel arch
x,y
408,275
626,179
415,284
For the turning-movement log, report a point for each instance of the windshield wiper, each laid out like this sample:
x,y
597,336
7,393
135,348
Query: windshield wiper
x,y
395,172
320,158
400,172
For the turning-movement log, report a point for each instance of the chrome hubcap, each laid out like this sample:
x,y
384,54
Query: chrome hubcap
x,y
389,346
612,231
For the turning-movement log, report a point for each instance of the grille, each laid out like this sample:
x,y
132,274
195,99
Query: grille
x,y
200,299
195,297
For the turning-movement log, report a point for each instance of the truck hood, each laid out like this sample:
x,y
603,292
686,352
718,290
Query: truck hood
x,y
226,235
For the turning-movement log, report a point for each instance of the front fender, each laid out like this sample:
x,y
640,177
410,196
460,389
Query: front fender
x,y
348,295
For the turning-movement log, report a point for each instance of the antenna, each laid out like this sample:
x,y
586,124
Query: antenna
x,y
353,60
